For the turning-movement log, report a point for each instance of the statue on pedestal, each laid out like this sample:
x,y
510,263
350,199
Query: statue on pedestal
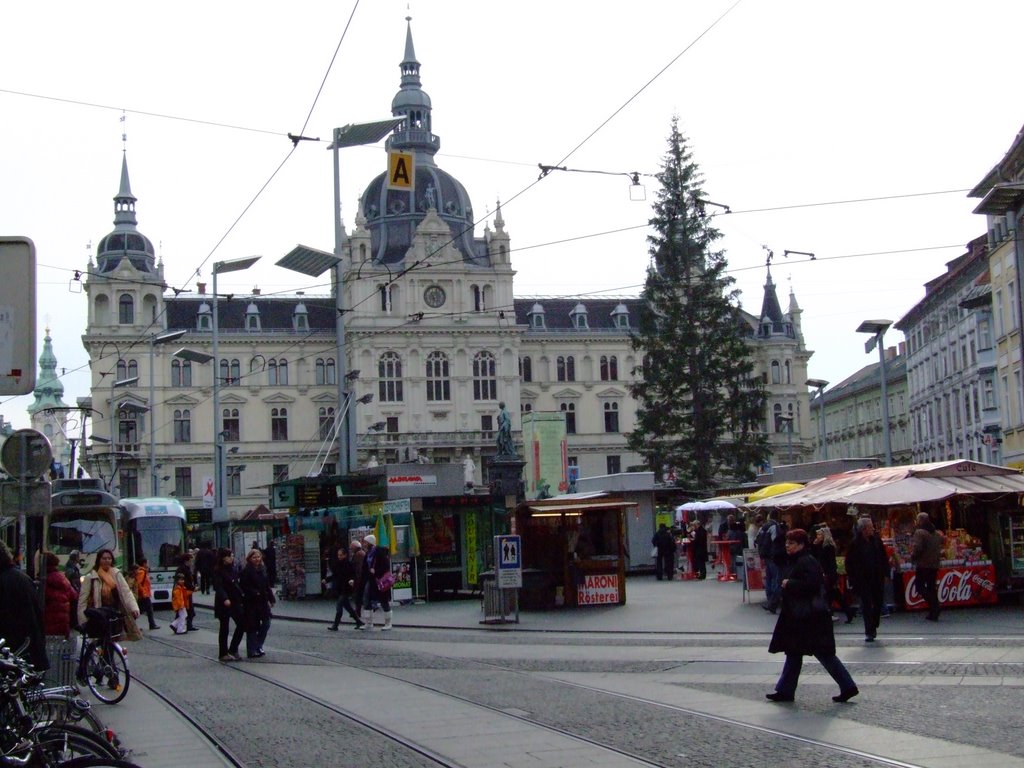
x,y
505,445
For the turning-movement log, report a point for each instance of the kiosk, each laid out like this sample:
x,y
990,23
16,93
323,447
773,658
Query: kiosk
x,y
574,550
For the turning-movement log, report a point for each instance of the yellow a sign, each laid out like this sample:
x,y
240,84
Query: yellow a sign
x,y
401,172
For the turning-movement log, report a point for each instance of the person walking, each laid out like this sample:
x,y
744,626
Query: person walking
x,y
185,569
343,578
104,590
180,595
665,560
21,616
228,605
145,590
377,580
866,566
206,559
927,557
824,550
804,627
771,546
258,599
357,555
73,569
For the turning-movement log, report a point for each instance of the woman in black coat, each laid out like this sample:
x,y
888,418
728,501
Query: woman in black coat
x,y
228,604
804,627
258,598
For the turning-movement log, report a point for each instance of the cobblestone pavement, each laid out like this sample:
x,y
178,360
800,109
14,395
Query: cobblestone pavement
x,y
267,726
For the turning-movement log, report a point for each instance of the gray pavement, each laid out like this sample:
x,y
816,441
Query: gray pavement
x,y
724,628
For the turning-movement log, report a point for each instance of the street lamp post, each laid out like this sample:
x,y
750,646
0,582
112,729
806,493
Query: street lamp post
x,y
878,329
220,507
820,384
314,263
160,338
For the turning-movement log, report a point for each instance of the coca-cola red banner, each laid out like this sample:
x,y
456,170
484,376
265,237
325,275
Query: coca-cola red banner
x,y
958,585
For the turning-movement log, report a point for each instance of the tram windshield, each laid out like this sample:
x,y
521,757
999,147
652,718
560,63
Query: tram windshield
x,y
159,539
88,532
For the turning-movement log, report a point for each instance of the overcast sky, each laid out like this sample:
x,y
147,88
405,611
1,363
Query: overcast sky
x,y
788,105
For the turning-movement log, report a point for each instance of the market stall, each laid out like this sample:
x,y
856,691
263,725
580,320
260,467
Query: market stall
x,y
577,544
976,506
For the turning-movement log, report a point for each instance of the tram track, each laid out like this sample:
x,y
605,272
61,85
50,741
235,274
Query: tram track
x,y
796,740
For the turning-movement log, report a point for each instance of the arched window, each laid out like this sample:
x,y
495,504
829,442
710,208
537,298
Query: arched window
x,y
385,298
478,299
122,370
277,373
525,369
278,423
133,369
569,409
182,426
230,425
485,382
776,372
324,370
438,383
389,374
181,373
566,368
611,417
779,421
326,419
126,310
789,373
609,368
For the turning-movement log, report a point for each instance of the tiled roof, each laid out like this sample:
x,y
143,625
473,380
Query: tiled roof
x,y
276,312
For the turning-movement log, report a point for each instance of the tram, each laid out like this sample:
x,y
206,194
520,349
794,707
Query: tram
x,y
154,529
82,516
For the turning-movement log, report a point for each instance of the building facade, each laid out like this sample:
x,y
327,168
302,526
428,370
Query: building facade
x,y
434,340
951,377
48,413
853,414
1002,193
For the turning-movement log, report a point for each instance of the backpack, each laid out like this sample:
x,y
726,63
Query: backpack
x,y
779,545
763,540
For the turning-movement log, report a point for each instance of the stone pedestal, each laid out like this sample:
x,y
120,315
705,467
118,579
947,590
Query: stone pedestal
x,y
505,476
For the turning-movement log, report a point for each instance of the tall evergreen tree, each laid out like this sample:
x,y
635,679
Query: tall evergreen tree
x,y
699,410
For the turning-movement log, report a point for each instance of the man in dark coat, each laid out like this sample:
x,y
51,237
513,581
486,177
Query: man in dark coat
x,y
867,564
927,557
664,562
206,558
804,627
343,577
21,615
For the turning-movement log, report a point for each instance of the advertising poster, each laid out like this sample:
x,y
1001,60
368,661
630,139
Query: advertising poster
x,y
437,538
545,448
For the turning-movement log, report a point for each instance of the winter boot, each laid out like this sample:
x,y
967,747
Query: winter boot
x,y
387,621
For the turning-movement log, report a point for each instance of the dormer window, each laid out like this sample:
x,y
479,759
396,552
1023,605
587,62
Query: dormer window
x,y
536,316
579,317
252,317
620,316
300,318
204,317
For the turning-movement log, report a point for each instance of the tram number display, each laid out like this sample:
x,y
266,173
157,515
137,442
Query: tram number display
x,y
599,589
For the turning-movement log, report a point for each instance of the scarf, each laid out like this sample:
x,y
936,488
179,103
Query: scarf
x,y
108,586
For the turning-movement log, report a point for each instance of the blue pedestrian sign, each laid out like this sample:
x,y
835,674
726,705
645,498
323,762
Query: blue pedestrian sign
x,y
508,559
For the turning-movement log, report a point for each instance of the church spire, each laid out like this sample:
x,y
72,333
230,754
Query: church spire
x,y
49,390
124,202
413,103
125,242
771,310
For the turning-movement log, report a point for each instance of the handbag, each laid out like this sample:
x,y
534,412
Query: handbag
x,y
654,551
385,582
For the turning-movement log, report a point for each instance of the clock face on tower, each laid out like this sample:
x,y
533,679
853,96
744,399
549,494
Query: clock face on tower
x,y
434,296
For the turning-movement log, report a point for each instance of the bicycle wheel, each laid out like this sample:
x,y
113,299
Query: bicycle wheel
x,y
106,672
69,741
58,709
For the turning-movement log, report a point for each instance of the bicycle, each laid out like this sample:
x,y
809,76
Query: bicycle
x,y
103,663
27,743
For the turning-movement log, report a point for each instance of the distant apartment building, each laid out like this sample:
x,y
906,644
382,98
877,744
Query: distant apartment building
x,y
952,389
853,414
1002,193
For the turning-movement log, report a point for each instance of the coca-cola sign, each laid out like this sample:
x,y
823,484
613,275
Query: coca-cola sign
x,y
960,585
